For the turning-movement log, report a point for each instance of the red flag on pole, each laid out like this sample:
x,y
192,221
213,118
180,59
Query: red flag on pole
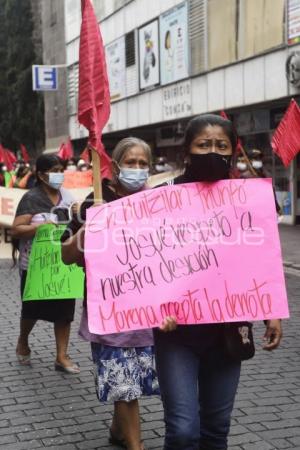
x,y
2,154
24,152
62,151
69,147
7,157
286,138
94,96
66,150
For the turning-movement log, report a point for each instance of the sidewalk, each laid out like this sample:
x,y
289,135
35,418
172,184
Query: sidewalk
x,y
44,409
47,410
290,244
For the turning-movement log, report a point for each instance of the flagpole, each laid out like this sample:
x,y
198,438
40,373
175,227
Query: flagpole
x,y
253,172
97,182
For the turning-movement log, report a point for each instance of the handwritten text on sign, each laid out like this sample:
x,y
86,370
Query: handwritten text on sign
x,y
48,278
205,253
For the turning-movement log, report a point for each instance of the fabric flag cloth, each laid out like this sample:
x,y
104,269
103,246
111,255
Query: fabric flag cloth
x,y
239,142
66,150
94,95
24,153
286,138
7,157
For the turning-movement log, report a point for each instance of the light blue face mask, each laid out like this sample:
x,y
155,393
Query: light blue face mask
x,y
133,179
56,179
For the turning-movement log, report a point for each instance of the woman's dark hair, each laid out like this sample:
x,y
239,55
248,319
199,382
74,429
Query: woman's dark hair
x,y
45,163
199,123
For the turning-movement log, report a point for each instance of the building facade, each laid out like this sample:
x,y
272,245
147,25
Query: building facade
x,y
54,53
170,60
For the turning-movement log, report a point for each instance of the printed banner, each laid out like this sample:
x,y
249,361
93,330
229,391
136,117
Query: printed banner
x,y
78,180
10,198
48,278
174,44
293,21
116,68
149,55
203,252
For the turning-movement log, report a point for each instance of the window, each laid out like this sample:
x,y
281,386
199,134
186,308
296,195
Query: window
x,y
130,49
197,35
261,26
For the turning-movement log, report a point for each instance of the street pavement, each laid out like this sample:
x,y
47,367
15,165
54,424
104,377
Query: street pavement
x,y
41,408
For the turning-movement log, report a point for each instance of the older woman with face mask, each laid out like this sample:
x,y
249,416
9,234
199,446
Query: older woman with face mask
x,y
124,362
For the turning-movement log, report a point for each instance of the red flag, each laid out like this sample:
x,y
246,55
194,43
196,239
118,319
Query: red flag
x,y
239,142
2,154
7,157
85,155
94,96
69,148
24,152
286,138
66,150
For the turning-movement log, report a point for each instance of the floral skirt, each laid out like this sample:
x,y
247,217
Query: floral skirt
x,y
124,373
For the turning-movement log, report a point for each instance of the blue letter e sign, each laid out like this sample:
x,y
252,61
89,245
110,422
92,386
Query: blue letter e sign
x,y
44,78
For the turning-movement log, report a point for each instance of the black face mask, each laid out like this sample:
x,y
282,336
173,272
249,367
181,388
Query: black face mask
x,y
208,167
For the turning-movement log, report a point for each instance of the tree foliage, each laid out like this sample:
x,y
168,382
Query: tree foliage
x,y
21,109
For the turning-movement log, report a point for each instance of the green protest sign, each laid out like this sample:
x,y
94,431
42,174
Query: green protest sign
x,y
48,278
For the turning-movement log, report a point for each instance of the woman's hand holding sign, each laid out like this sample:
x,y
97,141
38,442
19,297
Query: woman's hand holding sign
x,y
169,324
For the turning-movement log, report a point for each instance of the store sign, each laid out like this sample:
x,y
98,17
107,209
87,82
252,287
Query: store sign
x,y
293,21
115,58
149,55
177,101
44,78
174,50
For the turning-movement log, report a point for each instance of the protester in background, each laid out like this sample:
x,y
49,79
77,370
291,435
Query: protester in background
x,y
124,362
256,159
71,165
3,169
243,169
161,165
22,176
82,166
45,203
257,170
198,379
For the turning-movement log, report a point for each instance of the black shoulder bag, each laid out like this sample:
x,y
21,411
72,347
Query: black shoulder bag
x,y
238,340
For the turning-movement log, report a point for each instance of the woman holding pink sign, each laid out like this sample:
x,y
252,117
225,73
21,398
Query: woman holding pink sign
x,y
199,365
124,362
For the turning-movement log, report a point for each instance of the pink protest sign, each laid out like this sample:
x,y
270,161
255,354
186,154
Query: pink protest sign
x,y
205,253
